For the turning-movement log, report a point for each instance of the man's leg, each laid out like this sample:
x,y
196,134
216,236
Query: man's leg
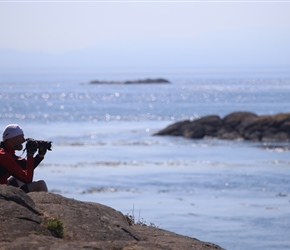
x,y
35,186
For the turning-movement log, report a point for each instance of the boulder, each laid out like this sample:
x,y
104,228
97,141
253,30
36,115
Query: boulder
x,y
200,128
237,125
44,220
234,125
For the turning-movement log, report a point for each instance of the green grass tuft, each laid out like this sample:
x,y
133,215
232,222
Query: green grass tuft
x,y
55,226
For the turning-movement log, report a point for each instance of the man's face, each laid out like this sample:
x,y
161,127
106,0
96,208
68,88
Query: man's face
x,y
17,142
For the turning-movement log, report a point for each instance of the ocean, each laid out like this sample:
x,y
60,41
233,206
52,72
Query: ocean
x,y
232,193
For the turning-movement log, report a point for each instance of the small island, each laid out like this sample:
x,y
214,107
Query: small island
x,y
137,81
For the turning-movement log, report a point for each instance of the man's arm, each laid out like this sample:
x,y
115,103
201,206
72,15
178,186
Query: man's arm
x,y
24,175
37,159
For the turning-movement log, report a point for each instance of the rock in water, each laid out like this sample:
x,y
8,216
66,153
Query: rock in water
x,y
237,125
138,81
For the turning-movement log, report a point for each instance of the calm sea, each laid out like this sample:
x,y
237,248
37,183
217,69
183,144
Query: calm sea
x,y
232,193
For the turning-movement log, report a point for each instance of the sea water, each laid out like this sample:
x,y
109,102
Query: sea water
x,y
232,193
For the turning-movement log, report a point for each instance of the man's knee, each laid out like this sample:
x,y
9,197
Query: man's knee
x,y
42,185
37,186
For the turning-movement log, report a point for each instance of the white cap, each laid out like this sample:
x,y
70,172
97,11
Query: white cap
x,y
11,131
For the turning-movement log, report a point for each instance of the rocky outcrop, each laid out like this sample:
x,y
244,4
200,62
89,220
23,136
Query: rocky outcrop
x,y
49,221
138,81
237,125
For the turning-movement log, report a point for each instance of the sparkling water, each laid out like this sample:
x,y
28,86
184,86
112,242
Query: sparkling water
x,y
232,193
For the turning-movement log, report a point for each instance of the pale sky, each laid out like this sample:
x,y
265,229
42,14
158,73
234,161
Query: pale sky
x,y
174,33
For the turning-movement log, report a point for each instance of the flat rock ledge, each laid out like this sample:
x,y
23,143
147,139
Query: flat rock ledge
x,y
44,220
235,126
137,81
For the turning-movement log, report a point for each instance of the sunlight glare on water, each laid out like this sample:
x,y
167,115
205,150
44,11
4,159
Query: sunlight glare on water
x,y
232,193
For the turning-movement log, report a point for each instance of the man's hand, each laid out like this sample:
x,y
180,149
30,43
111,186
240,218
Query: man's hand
x,y
31,147
42,151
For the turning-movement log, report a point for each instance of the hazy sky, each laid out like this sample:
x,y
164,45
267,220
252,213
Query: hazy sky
x,y
145,32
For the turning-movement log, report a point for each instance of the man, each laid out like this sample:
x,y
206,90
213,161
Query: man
x,y
15,170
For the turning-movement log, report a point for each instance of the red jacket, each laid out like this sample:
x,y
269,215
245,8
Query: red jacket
x,y
12,165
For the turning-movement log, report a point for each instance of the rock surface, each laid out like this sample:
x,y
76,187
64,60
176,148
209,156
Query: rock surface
x,y
138,81
237,125
84,225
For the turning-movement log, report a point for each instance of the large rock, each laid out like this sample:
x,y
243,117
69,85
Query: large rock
x,y
208,125
237,125
80,225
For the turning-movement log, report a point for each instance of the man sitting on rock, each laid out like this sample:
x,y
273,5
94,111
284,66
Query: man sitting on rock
x,y
15,170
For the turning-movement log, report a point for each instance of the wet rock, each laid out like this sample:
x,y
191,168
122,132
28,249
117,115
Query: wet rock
x,y
84,225
237,125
